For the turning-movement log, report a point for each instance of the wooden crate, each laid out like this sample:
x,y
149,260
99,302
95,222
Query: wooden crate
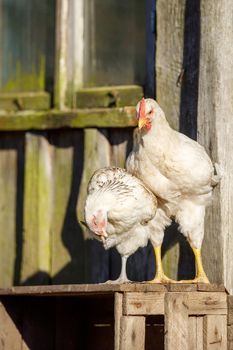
x,y
142,316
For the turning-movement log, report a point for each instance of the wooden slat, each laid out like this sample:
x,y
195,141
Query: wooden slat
x,y
180,287
132,333
10,336
169,56
96,155
37,210
230,337
82,118
24,101
206,303
109,96
230,309
215,332
118,312
8,207
195,333
143,303
67,244
81,289
215,128
176,322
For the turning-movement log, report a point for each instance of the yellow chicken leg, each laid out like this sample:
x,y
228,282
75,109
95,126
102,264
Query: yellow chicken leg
x,y
160,276
200,273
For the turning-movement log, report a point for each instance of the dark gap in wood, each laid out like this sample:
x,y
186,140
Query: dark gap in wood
x,y
154,333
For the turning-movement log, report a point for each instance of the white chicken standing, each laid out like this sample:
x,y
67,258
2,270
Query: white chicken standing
x,y
120,211
178,171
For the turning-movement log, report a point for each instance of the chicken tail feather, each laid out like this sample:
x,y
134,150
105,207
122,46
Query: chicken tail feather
x,y
218,173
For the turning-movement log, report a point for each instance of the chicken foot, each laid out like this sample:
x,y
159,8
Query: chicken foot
x,y
123,275
200,273
160,276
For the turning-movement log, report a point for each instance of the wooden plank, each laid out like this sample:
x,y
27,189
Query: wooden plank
x,y
215,127
230,310
143,303
37,210
176,71
181,287
132,333
213,287
96,155
206,303
109,96
82,118
67,244
215,332
195,333
10,335
8,207
81,289
69,51
24,101
169,56
176,321
230,337
118,312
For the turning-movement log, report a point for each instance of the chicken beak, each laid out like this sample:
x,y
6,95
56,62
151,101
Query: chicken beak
x,y
141,123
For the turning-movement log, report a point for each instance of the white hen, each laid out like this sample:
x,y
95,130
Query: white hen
x,y
121,212
177,170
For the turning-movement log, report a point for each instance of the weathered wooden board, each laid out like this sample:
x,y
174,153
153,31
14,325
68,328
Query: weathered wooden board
x,y
195,332
67,244
215,332
10,335
176,66
36,253
118,313
176,322
24,100
143,303
132,333
81,118
215,128
109,96
11,188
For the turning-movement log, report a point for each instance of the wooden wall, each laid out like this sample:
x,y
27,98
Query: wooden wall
x,y
44,173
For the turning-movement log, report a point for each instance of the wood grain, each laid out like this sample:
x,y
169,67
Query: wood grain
x,y
143,303
132,333
215,127
195,333
215,332
176,322
37,210
80,118
10,336
8,207
118,313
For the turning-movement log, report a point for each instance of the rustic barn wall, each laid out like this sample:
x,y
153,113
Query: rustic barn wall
x,y
215,130
177,60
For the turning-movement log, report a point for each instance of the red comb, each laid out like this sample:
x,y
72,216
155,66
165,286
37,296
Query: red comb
x,y
142,108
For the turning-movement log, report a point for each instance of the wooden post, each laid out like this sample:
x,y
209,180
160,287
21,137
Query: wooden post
x,y
215,130
215,332
176,321
117,319
69,51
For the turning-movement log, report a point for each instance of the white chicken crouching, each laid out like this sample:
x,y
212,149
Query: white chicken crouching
x,y
177,170
121,212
